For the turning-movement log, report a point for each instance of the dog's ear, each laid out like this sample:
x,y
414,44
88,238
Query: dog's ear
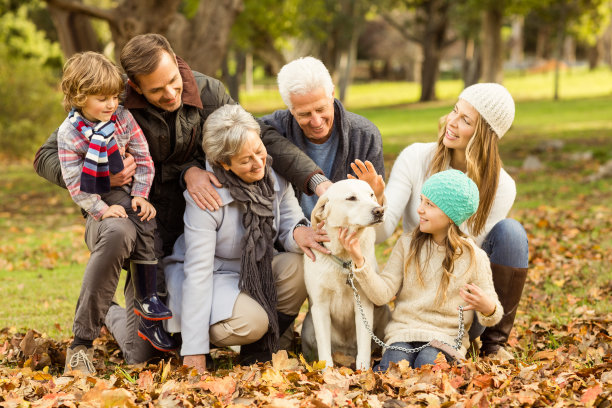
x,y
319,212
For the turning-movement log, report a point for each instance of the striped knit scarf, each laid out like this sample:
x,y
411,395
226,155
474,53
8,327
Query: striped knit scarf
x,y
102,156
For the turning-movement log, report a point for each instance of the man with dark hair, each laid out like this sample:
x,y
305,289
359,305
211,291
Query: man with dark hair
x,y
170,102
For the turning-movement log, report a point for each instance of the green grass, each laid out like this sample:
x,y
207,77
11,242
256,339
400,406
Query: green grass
x,y
41,299
42,253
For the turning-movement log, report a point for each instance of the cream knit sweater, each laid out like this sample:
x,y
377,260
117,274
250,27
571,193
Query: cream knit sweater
x,y
416,316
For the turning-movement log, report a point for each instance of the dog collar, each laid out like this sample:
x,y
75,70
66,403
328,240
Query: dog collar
x,y
342,263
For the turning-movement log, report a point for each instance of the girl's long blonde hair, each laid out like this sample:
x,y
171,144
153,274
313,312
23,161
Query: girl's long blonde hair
x,y
454,244
483,167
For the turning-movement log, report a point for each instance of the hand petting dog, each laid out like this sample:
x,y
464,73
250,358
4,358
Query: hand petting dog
x,y
308,237
350,242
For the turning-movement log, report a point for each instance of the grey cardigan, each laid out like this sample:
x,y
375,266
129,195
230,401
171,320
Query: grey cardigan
x,y
203,271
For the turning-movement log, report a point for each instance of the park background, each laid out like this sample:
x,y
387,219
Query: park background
x,y
401,64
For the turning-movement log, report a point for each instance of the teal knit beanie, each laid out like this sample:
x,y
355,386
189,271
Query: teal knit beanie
x,y
454,193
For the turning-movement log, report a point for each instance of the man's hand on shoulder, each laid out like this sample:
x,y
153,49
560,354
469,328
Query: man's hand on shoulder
x,y
200,187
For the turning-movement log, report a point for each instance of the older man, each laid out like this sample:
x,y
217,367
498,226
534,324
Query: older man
x,y
170,102
319,125
330,135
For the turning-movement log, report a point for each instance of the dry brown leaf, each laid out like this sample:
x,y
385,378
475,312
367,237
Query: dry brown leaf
x,y
281,361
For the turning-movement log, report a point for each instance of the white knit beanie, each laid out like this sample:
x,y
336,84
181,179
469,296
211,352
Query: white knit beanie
x,y
494,103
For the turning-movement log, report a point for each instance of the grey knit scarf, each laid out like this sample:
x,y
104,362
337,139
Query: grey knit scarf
x,y
256,278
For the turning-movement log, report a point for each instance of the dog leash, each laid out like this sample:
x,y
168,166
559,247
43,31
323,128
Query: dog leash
x,y
453,351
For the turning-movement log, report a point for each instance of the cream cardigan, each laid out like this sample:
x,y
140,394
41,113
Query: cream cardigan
x,y
416,317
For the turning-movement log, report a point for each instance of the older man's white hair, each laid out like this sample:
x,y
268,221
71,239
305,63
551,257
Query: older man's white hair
x,y
302,76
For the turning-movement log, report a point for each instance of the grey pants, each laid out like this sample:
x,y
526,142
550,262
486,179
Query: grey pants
x,y
111,241
248,322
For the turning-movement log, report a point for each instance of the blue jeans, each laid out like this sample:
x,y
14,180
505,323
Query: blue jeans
x,y
416,360
506,244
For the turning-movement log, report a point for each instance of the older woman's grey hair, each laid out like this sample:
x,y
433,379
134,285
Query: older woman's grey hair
x,y
225,132
302,76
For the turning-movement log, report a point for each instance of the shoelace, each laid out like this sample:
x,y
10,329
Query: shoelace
x,y
81,357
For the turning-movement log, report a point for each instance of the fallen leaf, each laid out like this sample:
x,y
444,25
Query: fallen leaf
x,y
281,361
145,380
590,395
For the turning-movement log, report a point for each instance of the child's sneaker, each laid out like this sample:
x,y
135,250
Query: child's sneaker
x,y
80,359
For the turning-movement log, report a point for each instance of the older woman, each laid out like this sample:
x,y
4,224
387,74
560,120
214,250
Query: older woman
x,y
227,285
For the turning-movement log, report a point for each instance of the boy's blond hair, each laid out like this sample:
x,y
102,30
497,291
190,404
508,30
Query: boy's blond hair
x,y
89,73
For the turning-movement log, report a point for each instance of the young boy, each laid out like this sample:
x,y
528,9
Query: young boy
x,y
91,143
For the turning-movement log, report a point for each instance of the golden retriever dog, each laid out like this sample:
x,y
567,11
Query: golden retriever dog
x,y
333,312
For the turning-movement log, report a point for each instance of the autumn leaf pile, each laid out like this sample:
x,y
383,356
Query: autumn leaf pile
x,y
577,373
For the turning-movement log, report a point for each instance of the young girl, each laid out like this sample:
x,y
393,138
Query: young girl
x,y
90,142
433,271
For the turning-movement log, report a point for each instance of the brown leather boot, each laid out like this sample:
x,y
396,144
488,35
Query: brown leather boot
x,y
509,283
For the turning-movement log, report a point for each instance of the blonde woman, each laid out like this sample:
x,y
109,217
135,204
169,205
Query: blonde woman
x,y
467,141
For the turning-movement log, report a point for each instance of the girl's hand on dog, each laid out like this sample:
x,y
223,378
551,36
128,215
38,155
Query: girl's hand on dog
x,y
350,242
367,172
477,300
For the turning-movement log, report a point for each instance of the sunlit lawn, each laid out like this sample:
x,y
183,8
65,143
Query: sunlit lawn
x,y
42,254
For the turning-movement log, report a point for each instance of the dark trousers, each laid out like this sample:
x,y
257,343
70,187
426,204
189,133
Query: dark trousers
x,y
112,242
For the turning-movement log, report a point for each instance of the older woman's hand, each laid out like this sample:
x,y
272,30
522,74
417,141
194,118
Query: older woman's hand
x,y
200,186
367,172
307,238
197,361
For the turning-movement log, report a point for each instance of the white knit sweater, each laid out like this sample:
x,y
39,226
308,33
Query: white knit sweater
x,y
416,316
403,192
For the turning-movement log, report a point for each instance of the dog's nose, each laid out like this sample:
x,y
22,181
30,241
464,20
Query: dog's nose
x,y
378,212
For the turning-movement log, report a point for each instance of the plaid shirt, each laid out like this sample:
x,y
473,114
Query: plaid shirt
x,y
72,147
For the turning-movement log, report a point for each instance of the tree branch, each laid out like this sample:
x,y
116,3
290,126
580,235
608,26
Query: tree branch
x,y
84,9
402,30
450,41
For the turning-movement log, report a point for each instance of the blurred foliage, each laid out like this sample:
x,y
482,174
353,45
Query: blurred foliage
x,y
31,104
30,66
23,39
262,20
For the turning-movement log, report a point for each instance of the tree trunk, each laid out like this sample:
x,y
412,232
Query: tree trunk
x,y
75,32
471,61
347,62
516,41
492,45
202,41
248,72
542,41
569,49
429,73
594,54
232,78
560,42
270,56
433,42
607,46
